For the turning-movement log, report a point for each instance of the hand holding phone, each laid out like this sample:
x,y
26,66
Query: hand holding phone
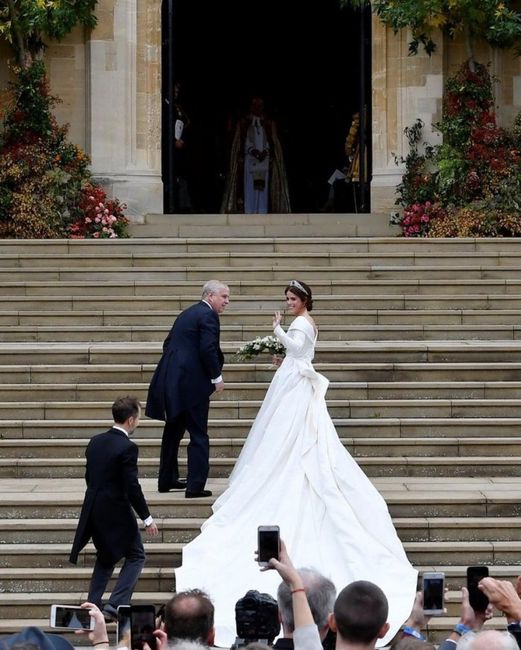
x,y
70,617
268,545
142,626
477,599
433,593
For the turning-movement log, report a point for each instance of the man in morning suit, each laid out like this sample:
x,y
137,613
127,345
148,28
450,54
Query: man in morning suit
x,y
113,489
188,372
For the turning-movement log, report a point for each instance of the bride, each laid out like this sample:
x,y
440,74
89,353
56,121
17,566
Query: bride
x,y
294,472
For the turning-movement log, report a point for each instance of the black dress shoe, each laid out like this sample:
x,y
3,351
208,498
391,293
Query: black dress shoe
x,y
196,495
110,614
176,485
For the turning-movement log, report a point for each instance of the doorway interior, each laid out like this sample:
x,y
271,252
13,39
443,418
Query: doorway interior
x,y
310,62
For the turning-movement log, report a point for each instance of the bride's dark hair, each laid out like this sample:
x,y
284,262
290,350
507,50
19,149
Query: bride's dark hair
x,y
302,290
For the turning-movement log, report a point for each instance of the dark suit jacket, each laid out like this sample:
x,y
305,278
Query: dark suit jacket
x,y
112,491
191,359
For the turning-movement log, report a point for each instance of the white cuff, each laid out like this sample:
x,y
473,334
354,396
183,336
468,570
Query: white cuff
x,y
148,521
218,380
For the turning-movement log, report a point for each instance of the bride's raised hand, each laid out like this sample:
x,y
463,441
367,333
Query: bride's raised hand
x,y
277,319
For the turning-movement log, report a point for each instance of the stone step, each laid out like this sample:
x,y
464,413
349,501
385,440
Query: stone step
x,y
229,243
388,465
184,529
249,390
365,428
247,409
435,324
328,351
244,288
167,555
70,579
349,302
410,497
274,277
175,303
208,258
229,448
157,333
260,371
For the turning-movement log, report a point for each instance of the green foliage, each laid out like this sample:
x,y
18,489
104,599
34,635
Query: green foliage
x,y
25,24
417,183
495,21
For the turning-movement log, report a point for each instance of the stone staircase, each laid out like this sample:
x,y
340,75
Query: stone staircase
x,y
421,341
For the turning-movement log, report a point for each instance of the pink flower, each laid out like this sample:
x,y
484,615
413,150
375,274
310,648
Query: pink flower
x,y
95,234
88,220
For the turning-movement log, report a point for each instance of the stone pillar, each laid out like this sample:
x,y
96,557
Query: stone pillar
x,y
124,122
404,88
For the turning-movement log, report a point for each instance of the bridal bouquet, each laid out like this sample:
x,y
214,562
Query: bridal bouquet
x,y
269,344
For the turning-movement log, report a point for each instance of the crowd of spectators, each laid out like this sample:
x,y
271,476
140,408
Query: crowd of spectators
x,y
312,617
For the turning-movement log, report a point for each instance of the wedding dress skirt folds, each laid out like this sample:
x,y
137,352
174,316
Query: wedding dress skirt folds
x,y
294,472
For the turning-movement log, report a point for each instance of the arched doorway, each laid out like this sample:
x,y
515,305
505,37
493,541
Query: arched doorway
x,y
311,63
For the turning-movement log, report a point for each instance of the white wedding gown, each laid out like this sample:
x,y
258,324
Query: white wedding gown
x,y
294,472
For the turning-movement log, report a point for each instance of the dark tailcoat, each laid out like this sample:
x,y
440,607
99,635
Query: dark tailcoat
x,y
112,491
191,359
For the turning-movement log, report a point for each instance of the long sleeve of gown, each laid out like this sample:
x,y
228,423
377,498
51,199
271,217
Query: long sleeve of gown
x,y
293,341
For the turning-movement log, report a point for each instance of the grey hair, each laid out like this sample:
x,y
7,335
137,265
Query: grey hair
x,y
499,641
320,592
213,286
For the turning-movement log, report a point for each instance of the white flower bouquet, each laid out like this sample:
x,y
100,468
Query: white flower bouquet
x,y
269,344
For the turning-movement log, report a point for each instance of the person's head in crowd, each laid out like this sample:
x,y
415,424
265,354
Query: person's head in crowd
x,y
320,592
186,644
410,643
126,412
360,615
190,615
32,638
487,640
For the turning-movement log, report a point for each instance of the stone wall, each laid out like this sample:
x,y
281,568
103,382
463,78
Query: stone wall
x,y
406,88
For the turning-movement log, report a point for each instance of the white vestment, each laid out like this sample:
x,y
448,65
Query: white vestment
x,y
256,172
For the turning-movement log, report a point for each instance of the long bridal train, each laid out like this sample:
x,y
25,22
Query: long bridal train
x,y
294,471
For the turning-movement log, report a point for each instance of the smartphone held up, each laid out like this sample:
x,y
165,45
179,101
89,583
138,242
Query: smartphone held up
x,y
70,617
477,599
433,586
268,544
142,626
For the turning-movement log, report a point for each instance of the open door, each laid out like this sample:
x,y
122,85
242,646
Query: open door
x,y
310,62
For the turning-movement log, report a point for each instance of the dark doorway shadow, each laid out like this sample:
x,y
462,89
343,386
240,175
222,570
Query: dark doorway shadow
x,y
304,58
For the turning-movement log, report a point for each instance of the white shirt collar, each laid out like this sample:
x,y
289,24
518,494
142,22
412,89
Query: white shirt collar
x,y
115,426
206,303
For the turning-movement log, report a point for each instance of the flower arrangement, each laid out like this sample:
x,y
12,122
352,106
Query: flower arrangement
x,y
470,185
46,188
269,344
101,218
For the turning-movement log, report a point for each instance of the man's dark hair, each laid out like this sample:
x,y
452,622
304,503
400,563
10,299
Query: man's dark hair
x,y
361,610
124,408
320,592
189,615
